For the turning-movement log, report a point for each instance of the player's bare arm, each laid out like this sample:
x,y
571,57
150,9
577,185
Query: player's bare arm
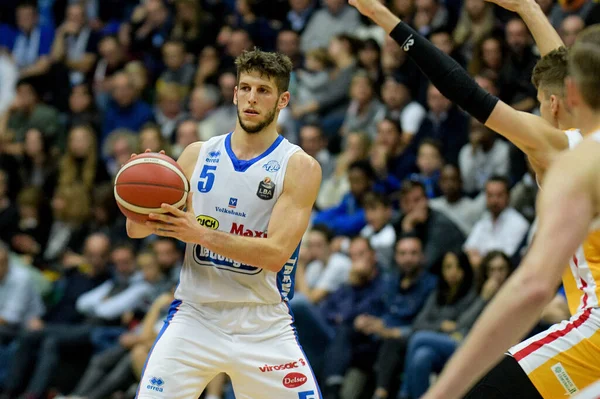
x,y
544,34
186,161
567,200
289,220
532,134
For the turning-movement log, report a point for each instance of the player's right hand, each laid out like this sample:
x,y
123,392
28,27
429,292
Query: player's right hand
x,y
511,5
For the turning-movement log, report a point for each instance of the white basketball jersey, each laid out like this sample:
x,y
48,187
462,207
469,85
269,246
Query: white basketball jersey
x,y
237,197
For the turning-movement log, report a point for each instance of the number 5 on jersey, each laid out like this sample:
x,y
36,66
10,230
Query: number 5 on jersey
x,y
207,178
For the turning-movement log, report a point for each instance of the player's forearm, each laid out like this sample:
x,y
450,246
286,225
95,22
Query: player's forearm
x,y
507,319
253,251
137,230
544,34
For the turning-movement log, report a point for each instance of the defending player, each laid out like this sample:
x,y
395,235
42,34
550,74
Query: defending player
x,y
251,196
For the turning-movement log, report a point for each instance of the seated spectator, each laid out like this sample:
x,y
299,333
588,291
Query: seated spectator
x,y
313,77
299,15
38,166
325,271
179,73
335,18
460,209
262,31
500,228
112,60
443,40
348,217
476,21
204,99
401,162
429,350
570,28
82,111
564,9
26,112
430,15
399,104
488,57
523,195
445,123
126,110
222,119
194,26
106,217
314,143
356,148
288,43
485,155
9,212
186,134
429,164
369,59
169,256
81,162
30,43
79,275
10,77
117,149
169,109
31,233
438,234
379,230
364,106
151,138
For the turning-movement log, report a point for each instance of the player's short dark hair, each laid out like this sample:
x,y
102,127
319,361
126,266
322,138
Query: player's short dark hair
x,y
123,245
409,185
499,179
432,143
550,72
365,239
323,229
373,199
409,236
394,121
269,64
365,167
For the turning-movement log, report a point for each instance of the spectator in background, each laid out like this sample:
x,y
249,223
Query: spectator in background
x,y
364,106
428,351
314,143
150,26
288,43
336,18
348,217
10,75
30,43
460,209
203,101
476,22
82,111
488,57
33,229
126,110
299,15
401,162
169,109
500,228
151,138
169,257
443,40
179,73
119,146
407,290
379,230
312,77
26,112
484,156
74,48
326,271
186,134
356,148
106,217
195,27
81,162
445,123
430,15
236,42
399,104
429,164
19,302
262,31
570,28
369,59
514,80
9,213
221,120
437,233
112,60
38,167
566,8
349,345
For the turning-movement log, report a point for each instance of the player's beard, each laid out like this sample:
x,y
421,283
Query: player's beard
x,y
258,126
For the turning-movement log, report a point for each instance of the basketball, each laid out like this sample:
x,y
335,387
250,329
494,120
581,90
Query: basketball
x,y
147,181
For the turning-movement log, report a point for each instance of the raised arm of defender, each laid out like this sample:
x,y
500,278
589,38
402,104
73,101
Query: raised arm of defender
x,y
533,135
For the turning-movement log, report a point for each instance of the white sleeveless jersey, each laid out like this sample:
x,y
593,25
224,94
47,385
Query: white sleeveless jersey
x,y
236,196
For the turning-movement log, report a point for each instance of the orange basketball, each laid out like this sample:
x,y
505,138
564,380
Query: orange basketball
x,y
147,181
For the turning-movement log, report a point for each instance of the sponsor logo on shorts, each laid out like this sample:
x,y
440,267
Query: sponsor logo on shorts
x,y
241,230
156,384
208,221
294,380
286,366
272,166
307,395
266,189
564,378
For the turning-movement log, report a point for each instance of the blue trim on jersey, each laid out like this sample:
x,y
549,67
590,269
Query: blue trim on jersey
x,y
242,165
288,272
302,350
172,310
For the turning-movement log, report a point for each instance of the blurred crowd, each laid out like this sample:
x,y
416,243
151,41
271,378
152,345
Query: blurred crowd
x,y
422,215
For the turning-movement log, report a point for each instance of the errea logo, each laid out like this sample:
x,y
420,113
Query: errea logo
x,y
156,384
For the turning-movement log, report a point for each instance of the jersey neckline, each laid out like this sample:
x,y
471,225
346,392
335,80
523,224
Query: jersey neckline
x,y
241,165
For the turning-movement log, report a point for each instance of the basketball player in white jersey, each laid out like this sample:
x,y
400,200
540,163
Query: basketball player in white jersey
x,y
251,197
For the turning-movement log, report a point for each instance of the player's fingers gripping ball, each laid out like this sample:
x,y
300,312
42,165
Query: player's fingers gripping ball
x,y
148,180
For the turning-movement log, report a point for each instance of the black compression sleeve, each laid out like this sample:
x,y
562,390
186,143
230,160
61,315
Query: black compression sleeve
x,y
445,73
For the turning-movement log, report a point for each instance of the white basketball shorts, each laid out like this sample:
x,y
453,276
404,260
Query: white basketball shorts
x,y
256,345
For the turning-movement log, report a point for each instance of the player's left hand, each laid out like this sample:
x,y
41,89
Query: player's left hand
x,y
176,223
